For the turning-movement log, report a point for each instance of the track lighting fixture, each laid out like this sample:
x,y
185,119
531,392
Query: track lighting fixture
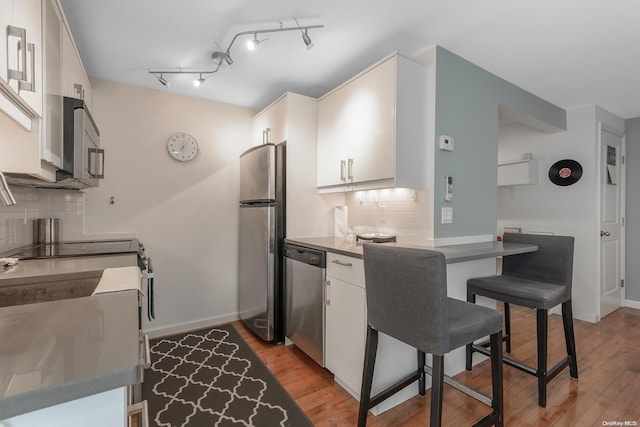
x,y
162,80
225,56
305,35
199,81
252,44
307,40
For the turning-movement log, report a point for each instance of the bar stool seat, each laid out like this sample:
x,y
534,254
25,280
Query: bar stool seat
x,y
539,280
406,291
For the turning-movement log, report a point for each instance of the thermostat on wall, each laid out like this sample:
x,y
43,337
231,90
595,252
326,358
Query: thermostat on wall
x,y
446,143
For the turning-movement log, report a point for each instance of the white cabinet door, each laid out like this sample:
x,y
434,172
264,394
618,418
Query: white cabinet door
x,y
52,138
356,125
6,18
332,147
27,15
273,120
345,333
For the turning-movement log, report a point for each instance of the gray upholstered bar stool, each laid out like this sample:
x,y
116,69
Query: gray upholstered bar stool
x,y
407,299
540,280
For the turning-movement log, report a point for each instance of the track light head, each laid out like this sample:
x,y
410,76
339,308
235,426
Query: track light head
x,y
163,81
306,39
219,56
197,82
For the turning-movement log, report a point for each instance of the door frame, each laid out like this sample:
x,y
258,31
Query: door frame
x,y
623,183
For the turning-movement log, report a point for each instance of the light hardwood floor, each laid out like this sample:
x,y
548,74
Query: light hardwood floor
x,y
608,388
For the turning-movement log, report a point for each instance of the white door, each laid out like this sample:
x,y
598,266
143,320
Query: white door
x,y
612,175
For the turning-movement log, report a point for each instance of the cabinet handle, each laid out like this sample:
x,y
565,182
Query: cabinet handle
x,y
142,409
350,174
343,170
342,263
21,33
327,293
268,135
77,87
29,86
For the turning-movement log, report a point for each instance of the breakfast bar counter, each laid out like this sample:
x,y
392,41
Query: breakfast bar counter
x,y
452,253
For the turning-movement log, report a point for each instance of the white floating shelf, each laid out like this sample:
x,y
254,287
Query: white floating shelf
x,y
519,172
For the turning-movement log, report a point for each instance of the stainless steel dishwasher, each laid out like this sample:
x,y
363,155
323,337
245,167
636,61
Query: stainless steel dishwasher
x,y
304,317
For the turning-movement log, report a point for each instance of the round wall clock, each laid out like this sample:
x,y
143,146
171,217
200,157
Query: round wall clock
x,y
182,146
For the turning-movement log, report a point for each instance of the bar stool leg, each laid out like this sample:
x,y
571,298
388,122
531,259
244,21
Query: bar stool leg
x,y
370,350
437,386
421,382
542,322
469,347
567,321
497,402
507,326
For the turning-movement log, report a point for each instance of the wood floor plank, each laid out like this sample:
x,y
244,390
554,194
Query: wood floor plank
x,y
607,390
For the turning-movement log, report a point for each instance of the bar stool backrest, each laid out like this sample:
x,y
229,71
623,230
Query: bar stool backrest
x,y
406,292
551,263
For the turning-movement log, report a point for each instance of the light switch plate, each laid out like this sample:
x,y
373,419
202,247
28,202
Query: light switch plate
x,y
447,215
446,142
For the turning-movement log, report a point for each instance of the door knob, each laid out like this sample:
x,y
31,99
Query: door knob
x,y
605,233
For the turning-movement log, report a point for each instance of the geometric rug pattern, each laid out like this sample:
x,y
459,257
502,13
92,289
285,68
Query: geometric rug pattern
x,y
211,377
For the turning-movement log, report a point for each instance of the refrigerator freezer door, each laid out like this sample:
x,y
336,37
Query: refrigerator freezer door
x,y
256,272
257,174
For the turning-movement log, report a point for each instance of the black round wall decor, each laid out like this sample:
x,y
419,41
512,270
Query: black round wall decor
x,y
565,172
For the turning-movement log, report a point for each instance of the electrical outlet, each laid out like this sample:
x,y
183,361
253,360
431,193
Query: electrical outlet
x,y
447,215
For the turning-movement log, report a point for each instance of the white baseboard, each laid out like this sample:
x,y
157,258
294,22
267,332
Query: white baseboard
x,y
587,317
632,304
189,326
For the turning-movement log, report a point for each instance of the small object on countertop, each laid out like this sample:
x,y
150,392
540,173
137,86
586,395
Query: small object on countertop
x,y
376,237
8,262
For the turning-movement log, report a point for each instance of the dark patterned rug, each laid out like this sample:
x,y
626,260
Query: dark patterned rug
x,y
211,377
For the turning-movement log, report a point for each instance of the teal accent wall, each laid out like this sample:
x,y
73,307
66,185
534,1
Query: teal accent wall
x,y
468,100
632,214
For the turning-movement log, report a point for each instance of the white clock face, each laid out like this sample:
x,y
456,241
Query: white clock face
x,y
182,146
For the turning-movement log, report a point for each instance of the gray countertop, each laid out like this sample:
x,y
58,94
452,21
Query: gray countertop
x,y
452,253
54,352
46,270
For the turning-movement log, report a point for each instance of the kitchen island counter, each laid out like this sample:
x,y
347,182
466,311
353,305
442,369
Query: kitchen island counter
x,y
60,269
453,253
59,351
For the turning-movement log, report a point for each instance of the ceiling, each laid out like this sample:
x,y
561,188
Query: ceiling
x,y
569,52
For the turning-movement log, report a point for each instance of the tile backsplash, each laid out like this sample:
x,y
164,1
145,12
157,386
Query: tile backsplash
x,y
16,222
398,211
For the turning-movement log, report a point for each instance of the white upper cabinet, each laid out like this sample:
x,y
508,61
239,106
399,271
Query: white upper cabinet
x,y
372,130
75,82
21,60
270,125
51,140
32,124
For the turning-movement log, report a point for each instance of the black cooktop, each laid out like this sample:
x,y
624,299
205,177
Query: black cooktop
x,y
74,249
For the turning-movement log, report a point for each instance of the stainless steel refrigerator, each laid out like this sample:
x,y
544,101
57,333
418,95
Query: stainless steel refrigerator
x,y
261,239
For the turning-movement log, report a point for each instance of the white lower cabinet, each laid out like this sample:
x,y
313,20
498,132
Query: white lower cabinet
x,y
345,336
345,333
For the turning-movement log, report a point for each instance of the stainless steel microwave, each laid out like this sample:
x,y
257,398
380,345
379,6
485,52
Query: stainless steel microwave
x,y
83,159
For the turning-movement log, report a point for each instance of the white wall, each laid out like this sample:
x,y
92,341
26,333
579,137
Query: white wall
x,y
570,210
632,290
185,213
